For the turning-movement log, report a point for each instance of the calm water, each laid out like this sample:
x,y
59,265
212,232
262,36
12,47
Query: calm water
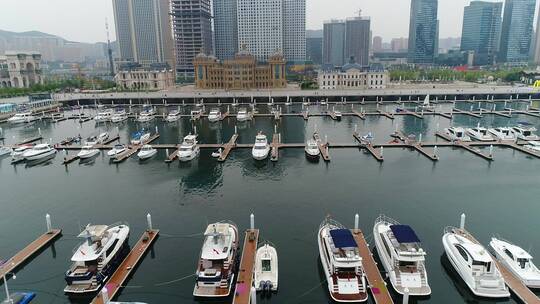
x,y
289,199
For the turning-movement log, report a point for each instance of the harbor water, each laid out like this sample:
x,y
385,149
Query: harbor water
x,y
289,199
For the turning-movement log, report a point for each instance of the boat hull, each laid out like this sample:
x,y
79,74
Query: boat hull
x,y
40,156
88,155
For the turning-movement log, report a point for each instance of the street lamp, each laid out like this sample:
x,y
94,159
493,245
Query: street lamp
x,y
8,298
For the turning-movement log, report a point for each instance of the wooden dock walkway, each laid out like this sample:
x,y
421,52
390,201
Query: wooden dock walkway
x,y
323,148
415,145
123,271
387,114
173,156
29,251
29,140
377,285
404,111
368,146
463,112
275,147
332,115
134,149
360,115
227,148
244,282
466,146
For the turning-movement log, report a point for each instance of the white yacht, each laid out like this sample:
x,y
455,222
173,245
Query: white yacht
x,y
217,264
147,114
117,150
312,150
119,116
342,263
140,137
402,256
38,152
20,118
95,260
242,115
104,116
261,148
338,115
173,116
196,114
189,149
18,153
474,264
480,134
533,145
266,268
525,133
146,152
5,150
502,133
88,151
518,261
457,133
214,115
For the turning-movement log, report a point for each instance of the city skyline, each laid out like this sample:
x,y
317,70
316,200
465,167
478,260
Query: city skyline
x,y
91,15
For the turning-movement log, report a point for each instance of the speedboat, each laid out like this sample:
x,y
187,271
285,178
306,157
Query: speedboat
x,y
102,137
338,115
189,149
39,151
518,261
20,118
457,133
242,115
147,114
214,115
474,264
119,116
266,268
97,258
341,262
140,137
261,149
146,152
217,262
104,116
18,153
5,150
91,140
116,150
217,153
480,134
502,133
173,116
402,256
87,151
533,145
312,150
525,133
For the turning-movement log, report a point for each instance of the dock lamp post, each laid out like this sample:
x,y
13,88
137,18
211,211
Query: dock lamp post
x,y
8,300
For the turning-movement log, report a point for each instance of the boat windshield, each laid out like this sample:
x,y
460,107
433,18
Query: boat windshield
x,y
487,265
118,147
266,265
527,133
260,147
185,149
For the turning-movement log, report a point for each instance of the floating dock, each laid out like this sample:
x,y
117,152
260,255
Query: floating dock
x,y
29,251
323,148
123,271
387,114
227,148
244,282
360,115
377,285
173,156
30,140
275,147
368,146
467,146
133,149
463,112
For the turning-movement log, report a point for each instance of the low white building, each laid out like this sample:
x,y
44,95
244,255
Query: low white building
x,y
152,78
352,76
20,69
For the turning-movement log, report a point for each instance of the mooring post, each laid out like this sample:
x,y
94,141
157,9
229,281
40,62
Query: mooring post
x,y
356,221
48,221
382,151
491,150
149,221
235,129
167,152
435,150
39,131
157,130
406,296
420,138
356,128
252,221
462,222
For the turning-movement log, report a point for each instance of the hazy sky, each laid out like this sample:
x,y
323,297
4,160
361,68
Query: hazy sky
x,y
84,20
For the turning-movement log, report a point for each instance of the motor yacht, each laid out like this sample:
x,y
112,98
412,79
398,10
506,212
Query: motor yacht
x,y
95,260
312,150
104,116
261,148
525,133
480,134
338,115
147,114
119,116
533,145
457,133
242,115
173,116
518,261
218,261
88,151
140,137
341,263
18,153
5,150
266,268
402,256
502,133
474,264
146,152
39,152
189,149
116,150
214,115
20,118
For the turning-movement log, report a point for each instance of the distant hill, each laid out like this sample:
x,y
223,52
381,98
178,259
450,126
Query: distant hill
x,y
8,34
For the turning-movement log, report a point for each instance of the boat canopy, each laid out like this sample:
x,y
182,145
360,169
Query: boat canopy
x,y
343,238
404,234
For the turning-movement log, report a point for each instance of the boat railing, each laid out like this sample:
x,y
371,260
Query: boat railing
x,y
331,222
385,219
450,229
261,244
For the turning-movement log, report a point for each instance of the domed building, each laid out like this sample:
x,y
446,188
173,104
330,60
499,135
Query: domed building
x,y
243,72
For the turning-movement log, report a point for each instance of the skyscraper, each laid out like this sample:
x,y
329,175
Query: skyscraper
x,y
143,30
481,30
334,42
517,30
294,30
358,39
225,28
423,33
314,42
377,44
192,28
536,51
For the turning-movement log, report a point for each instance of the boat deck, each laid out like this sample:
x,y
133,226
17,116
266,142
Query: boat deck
x,y
117,280
247,266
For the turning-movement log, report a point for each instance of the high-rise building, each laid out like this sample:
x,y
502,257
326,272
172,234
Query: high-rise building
x,y
536,51
334,42
225,29
423,31
377,44
294,30
399,45
517,31
192,28
358,39
143,30
481,30
314,44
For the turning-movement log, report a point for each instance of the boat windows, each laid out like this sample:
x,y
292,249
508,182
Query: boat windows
x,y
463,252
266,265
386,245
509,253
260,147
407,264
487,265
111,249
527,133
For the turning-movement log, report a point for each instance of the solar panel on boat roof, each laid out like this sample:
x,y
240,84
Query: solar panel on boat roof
x,y
342,238
404,234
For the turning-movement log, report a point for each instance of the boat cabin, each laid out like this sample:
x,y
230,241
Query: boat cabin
x,y
403,246
515,253
476,256
216,252
344,255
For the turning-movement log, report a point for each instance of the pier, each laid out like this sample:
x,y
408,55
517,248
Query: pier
x,y
228,147
134,149
276,142
323,148
129,264
244,282
415,145
29,140
173,156
360,115
463,112
368,146
468,146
